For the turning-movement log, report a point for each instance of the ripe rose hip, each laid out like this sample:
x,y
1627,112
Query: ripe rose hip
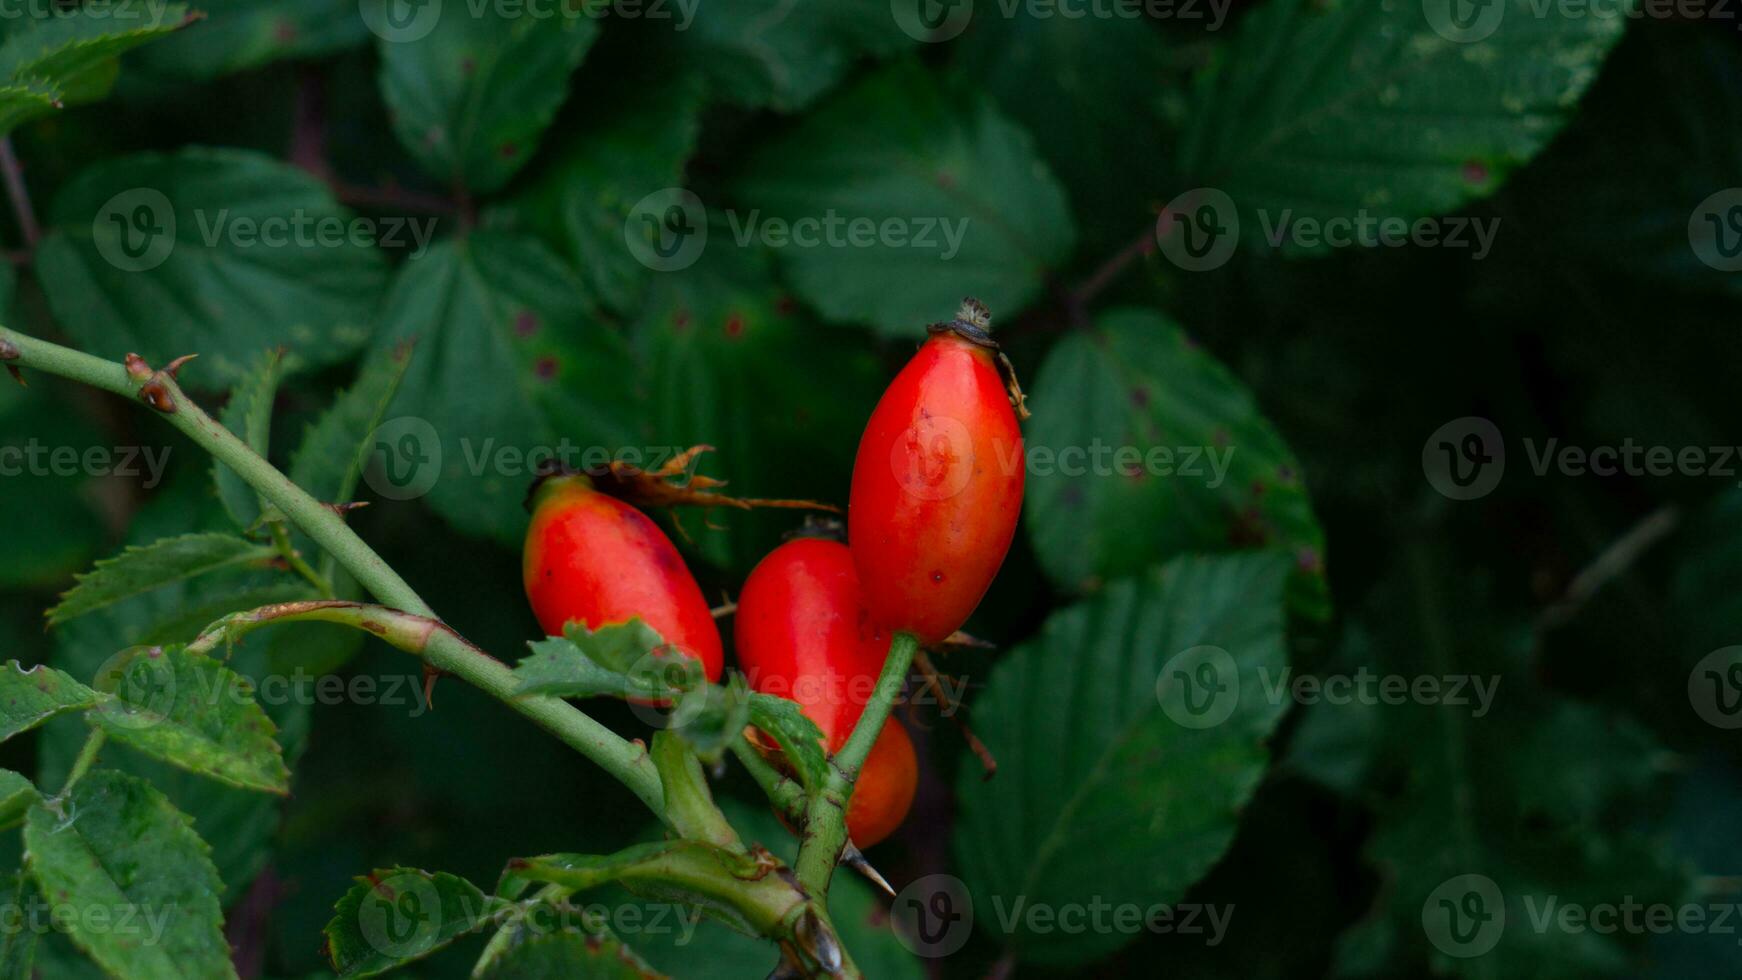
x,y
801,633
593,559
937,483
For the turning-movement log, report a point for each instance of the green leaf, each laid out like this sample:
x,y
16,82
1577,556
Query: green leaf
x,y
632,143
23,101
142,569
1090,91
194,713
1363,107
394,916
73,52
239,34
240,824
509,356
799,738
248,415
223,253
329,461
1143,446
570,955
937,160
30,697
117,847
782,55
1132,761
17,794
733,364
620,660
18,947
471,98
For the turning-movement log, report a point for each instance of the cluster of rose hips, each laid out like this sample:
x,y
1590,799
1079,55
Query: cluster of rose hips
x,y
931,514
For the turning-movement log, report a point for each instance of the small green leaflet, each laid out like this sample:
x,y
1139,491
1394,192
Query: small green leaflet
x,y
394,916
1136,724
621,660
70,57
973,209
1187,461
192,712
799,738
141,569
116,844
30,697
1321,110
16,796
248,415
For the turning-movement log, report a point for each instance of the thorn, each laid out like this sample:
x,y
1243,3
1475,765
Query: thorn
x,y
174,367
156,394
854,858
137,369
9,351
429,678
17,375
961,639
346,508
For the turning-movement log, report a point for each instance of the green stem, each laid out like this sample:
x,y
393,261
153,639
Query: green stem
x,y
506,933
287,551
314,518
825,829
451,653
86,758
784,792
689,806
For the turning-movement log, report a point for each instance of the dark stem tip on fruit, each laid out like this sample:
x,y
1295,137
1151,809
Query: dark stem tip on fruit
x,y
972,323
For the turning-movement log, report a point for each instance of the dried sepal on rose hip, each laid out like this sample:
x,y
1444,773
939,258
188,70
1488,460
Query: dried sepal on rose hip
x,y
937,482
